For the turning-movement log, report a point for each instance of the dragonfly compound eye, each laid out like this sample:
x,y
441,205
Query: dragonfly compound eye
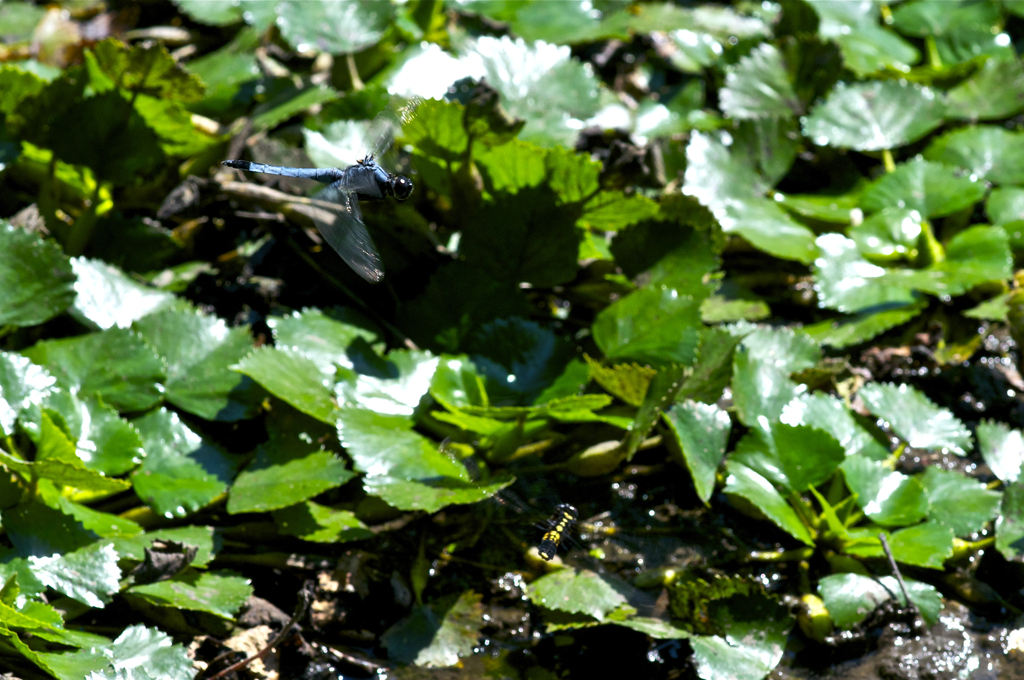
x,y
403,187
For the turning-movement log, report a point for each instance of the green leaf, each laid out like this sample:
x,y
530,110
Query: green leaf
x,y
146,68
89,575
198,350
458,298
1004,205
513,166
437,129
727,185
915,418
202,537
22,384
292,377
107,298
550,90
403,467
974,256
576,592
881,114
845,281
701,431
211,13
889,234
821,207
761,368
320,524
518,358
145,653
994,91
993,309
392,385
35,276
334,27
271,483
988,152
183,472
793,457
866,47
628,382
831,415
933,189
750,486
533,227
849,598
614,210
36,529
958,501
116,364
1010,523
656,325
887,497
758,87
1002,449
292,102
930,18
924,545
217,593
107,134
323,337
853,330
439,634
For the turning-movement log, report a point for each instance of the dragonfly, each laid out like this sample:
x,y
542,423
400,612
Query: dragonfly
x,y
337,215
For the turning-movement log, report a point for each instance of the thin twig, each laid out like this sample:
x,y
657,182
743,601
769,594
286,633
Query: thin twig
x,y
899,577
305,596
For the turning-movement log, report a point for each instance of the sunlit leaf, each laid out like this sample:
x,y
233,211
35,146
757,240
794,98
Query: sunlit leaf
x,y
89,575
752,487
851,597
182,471
758,87
220,594
439,634
915,418
335,27
847,282
881,114
988,152
198,350
1010,523
958,501
115,364
22,384
930,188
1002,449
293,377
576,592
107,298
887,497
320,524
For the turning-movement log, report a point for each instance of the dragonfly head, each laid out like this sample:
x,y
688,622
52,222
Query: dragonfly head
x,y
402,187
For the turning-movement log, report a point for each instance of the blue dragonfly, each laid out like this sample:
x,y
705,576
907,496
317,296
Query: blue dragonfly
x,y
336,208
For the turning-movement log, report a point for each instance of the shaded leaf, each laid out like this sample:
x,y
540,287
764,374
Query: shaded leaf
x,y
36,278
701,432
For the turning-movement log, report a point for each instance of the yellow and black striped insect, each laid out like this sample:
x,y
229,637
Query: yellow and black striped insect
x,y
560,523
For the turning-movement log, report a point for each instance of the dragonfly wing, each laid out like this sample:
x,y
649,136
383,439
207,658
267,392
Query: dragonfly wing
x,y
340,221
381,133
